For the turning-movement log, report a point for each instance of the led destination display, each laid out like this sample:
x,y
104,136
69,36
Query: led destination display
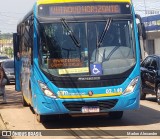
x,y
55,10
51,10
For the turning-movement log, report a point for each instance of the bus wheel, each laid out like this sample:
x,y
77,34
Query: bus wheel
x,y
40,118
24,103
116,114
158,94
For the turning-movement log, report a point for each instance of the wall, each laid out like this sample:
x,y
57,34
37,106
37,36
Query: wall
x,y
157,46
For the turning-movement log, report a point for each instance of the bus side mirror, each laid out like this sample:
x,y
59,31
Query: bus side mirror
x,y
16,45
143,31
141,28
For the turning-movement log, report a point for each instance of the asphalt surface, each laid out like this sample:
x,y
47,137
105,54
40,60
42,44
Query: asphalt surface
x,y
17,117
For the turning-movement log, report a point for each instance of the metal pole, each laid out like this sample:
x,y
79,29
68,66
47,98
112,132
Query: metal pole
x,y
145,7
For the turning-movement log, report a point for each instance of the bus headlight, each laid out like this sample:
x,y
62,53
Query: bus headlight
x,y
46,91
131,86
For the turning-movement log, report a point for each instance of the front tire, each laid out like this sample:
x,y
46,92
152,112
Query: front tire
x,y
41,118
24,103
158,94
116,114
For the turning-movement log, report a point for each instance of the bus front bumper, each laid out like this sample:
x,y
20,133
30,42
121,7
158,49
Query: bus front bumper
x,y
50,106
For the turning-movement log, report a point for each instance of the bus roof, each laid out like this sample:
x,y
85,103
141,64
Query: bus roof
x,y
74,1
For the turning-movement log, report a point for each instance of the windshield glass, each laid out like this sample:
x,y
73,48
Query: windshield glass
x,y
87,48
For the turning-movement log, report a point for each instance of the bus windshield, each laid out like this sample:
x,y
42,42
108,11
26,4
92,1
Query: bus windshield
x,y
69,48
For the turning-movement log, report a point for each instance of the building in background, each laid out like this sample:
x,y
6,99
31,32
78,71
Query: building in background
x,y
152,25
147,7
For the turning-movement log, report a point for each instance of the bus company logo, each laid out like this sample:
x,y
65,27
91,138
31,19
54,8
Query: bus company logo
x,y
62,93
66,93
90,93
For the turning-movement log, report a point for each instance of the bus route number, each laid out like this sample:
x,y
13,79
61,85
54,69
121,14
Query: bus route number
x,y
115,90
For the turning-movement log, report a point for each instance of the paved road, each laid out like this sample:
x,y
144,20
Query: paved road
x,y
16,117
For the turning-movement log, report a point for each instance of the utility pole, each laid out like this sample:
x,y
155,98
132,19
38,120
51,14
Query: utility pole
x,y
145,7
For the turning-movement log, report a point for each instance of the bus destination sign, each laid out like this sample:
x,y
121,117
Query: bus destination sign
x,y
90,9
51,10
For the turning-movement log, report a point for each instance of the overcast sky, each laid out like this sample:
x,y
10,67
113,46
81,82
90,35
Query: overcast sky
x,y
11,11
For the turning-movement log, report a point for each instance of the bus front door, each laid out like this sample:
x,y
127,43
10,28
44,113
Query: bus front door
x,y
17,62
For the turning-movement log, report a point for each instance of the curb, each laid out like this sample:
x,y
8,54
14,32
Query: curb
x,y
3,127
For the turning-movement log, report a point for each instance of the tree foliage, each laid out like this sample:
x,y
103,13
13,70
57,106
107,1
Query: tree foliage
x,y
6,36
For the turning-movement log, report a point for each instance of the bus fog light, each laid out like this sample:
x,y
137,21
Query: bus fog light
x,y
131,86
46,91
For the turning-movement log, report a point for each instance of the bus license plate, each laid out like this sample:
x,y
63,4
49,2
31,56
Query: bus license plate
x,y
87,109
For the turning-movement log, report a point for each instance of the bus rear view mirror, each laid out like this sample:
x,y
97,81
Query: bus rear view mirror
x,y
141,28
143,31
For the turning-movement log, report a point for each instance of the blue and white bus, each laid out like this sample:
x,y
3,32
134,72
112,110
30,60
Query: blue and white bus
x,y
79,57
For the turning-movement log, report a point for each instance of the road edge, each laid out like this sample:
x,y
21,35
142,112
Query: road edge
x,y
3,127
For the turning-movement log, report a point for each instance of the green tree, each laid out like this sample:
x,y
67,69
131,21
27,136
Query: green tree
x,y
8,51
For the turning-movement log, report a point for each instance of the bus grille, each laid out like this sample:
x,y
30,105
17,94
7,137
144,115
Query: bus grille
x,y
76,106
63,83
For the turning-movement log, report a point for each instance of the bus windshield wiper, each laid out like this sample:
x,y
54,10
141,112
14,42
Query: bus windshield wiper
x,y
70,32
107,25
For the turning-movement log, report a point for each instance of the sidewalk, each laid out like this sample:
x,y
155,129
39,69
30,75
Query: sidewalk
x,y
12,102
2,127
14,98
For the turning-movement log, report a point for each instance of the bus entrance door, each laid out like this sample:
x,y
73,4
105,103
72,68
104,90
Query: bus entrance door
x,y
17,61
